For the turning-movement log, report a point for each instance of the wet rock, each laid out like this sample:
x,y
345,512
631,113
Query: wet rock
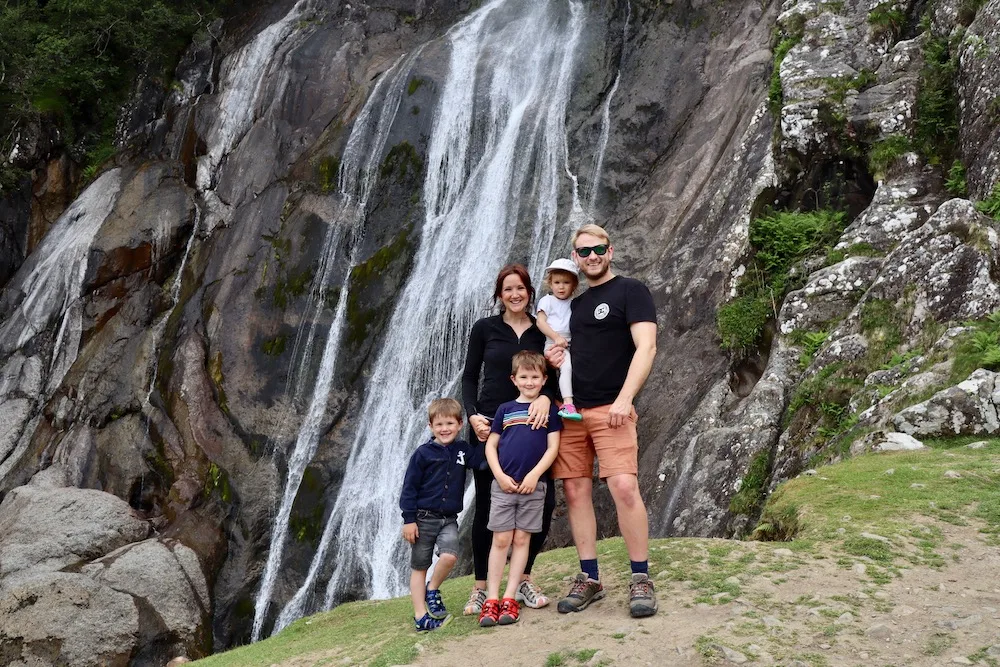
x,y
968,408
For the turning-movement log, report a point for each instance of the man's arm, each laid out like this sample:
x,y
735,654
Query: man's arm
x,y
644,338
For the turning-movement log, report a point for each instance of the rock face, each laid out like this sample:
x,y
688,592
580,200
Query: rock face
x,y
161,346
969,408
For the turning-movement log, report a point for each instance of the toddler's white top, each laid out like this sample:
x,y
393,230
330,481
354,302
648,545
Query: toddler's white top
x,y
557,311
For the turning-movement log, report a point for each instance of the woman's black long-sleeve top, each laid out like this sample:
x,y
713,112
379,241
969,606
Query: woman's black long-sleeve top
x,y
492,345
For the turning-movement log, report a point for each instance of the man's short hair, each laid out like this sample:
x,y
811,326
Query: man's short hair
x,y
593,230
444,407
532,361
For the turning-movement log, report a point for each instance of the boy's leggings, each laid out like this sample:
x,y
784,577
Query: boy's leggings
x,y
482,537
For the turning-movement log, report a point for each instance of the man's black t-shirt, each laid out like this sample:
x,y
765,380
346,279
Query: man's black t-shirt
x,y
601,343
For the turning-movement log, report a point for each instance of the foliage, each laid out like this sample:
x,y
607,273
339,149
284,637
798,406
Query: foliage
x,y
887,20
839,86
977,348
751,492
328,173
400,159
810,342
414,85
956,183
936,126
274,347
779,521
862,249
73,62
775,95
884,154
216,479
779,239
991,205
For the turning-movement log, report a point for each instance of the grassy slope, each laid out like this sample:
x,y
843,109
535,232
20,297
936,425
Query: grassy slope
x,y
834,507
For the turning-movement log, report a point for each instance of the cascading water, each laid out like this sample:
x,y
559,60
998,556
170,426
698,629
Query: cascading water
x,y
602,144
47,290
498,142
359,172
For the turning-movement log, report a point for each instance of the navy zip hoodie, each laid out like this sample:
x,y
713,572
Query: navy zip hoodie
x,y
435,478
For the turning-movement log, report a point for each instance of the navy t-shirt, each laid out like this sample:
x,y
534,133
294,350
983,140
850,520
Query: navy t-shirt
x,y
521,447
602,345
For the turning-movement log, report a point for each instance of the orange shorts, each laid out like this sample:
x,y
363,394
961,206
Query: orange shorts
x,y
617,449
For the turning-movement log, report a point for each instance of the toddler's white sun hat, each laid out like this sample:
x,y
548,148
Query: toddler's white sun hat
x,y
562,264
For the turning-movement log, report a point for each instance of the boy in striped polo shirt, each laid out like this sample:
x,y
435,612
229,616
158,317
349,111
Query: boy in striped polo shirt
x,y
519,457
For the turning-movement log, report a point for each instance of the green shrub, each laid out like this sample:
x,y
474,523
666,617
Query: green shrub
x,y
742,321
979,348
754,484
775,95
884,154
810,342
936,124
779,239
991,205
887,20
956,184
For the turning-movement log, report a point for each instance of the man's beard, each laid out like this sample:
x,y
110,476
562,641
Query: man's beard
x,y
604,271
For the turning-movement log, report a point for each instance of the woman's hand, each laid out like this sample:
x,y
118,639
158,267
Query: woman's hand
x,y
480,426
559,341
538,412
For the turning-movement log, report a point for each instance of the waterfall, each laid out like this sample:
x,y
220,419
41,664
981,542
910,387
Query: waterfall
x,y
498,141
359,172
602,143
46,290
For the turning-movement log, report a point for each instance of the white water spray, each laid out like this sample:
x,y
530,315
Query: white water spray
x,y
494,167
359,173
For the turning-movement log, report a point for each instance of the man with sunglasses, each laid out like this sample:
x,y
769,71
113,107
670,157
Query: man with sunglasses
x,y
613,327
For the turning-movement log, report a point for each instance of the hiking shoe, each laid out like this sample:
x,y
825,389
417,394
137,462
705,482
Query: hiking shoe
x,y
568,411
641,596
490,615
475,603
426,623
584,591
435,605
509,611
530,595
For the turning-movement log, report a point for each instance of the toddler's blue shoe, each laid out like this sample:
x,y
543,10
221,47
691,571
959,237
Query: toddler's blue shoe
x,y
426,623
435,605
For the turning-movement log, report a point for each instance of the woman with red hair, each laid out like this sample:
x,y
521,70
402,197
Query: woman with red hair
x,y
492,345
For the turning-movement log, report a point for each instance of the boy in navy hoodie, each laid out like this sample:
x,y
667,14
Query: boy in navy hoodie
x,y
433,490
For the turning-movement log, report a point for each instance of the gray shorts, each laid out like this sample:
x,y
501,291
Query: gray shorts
x,y
514,510
433,528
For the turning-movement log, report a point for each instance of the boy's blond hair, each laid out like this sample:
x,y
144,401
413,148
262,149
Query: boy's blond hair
x,y
444,407
593,230
532,361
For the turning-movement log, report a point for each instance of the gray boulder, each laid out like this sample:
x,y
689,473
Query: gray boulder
x,y
968,408
51,528
66,619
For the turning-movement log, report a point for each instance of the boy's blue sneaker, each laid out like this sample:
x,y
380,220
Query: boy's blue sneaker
x,y
426,623
435,605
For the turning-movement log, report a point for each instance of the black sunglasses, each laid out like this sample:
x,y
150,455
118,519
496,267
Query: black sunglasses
x,y
599,249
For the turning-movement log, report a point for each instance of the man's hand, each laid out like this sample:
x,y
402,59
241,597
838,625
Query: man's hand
x,y
507,484
528,484
410,532
480,426
620,412
538,412
555,355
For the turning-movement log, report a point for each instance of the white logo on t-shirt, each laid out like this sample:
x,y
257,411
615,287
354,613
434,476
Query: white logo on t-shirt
x,y
602,311
461,458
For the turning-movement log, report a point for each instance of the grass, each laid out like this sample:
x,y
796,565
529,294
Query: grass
x,y
775,94
884,154
832,510
991,205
